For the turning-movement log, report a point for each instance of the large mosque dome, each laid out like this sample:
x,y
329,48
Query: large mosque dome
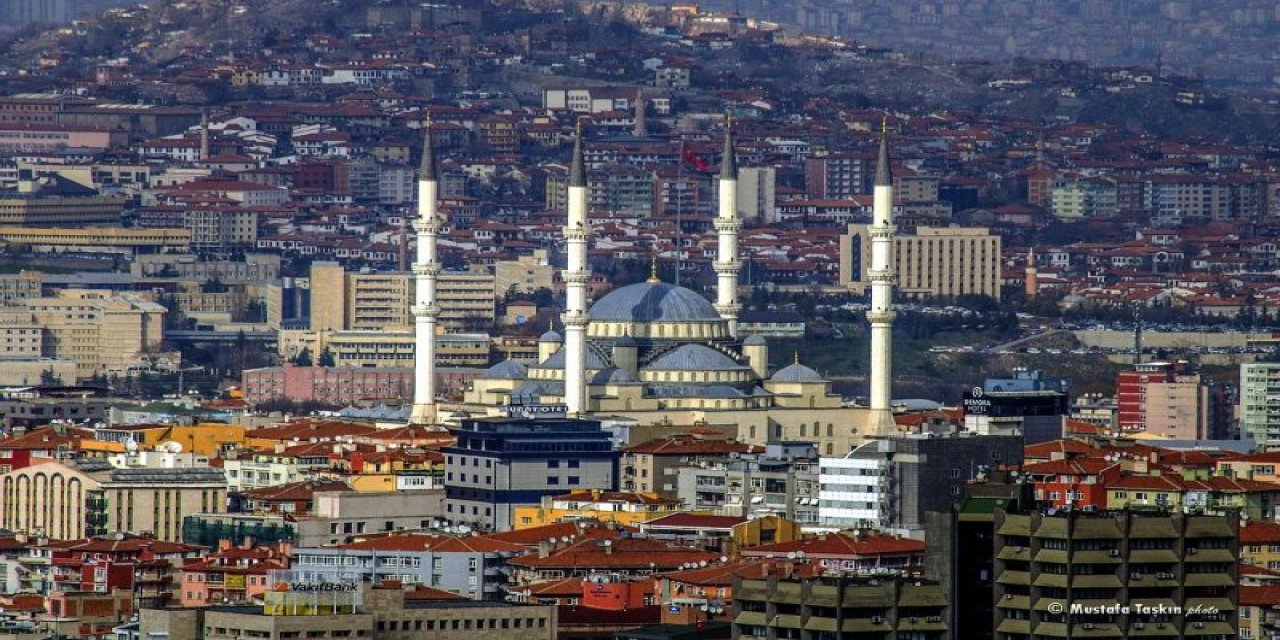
x,y
653,302
655,310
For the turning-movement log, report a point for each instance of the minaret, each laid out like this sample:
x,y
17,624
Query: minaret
x,y
1031,282
640,128
576,235
882,278
425,270
727,227
204,136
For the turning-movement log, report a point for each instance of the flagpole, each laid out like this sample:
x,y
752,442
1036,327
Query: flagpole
x,y
679,199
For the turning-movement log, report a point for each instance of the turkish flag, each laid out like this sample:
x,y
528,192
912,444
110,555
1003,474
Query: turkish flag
x,y
689,157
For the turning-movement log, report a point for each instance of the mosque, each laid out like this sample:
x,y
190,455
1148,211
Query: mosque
x,y
654,352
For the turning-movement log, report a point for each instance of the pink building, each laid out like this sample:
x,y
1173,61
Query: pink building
x,y
16,138
231,574
337,385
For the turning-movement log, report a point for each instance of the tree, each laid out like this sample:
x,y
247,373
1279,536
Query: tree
x,y
303,359
326,357
50,379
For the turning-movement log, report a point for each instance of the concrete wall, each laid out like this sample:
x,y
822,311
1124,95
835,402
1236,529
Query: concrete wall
x,y
1109,339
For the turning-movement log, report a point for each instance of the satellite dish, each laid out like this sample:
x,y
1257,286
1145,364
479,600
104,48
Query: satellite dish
x,y
131,445
172,447
464,529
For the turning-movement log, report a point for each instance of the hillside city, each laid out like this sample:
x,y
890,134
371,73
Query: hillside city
x,y
621,320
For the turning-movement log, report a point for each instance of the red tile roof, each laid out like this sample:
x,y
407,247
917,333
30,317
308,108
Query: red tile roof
x,y
623,553
437,544
1259,532
694,521
304,490
1260,596
840,545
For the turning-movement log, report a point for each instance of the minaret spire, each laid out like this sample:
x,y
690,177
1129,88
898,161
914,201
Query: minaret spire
x,y
425,269
882,275
728,225
577,234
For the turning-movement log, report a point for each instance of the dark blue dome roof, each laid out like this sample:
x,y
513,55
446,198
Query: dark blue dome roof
x,y
653,302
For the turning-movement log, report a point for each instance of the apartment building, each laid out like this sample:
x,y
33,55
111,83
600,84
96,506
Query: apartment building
x,y
215,230
1171,400
1057,572
1085,199
932,262
349,609
782,481
339,385
1260,401
800,600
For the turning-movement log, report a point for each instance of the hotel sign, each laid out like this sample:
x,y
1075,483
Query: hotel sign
x,y
536,411
976,403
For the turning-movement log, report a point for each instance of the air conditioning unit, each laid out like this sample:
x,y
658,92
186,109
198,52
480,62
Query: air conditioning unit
x,y
934,618
1198,625
1008,596
1088,626
1139,625
877,620
915,620
1114,553
1192,551
1159,625
1135,576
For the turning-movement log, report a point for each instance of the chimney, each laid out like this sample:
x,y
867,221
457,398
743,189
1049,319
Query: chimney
x,y
544,549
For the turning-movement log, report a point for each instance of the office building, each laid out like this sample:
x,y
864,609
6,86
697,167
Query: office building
x,y
337,385
501,463
89,497
890,484
381,300
1122,574
932,262
384,348
101,331
838,176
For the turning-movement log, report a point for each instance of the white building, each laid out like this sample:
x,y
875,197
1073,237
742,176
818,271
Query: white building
x,y
852,489
1260,401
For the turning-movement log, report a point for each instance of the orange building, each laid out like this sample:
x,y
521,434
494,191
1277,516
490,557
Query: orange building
x,y
229,575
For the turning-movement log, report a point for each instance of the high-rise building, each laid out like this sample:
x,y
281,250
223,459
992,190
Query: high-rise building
x,y
837,176
501,463
889,484
1171,400
1260,401
1121,574
380,300
20,12
934,261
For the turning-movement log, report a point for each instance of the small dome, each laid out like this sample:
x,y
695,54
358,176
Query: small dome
x,y
653,302
614,375
796,373
551,336
556,361
694,357
754,340
506,369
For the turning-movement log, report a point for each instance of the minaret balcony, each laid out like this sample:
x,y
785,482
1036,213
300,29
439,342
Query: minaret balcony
x,y
426,269
580,234
430,225
881,317
728,226
426,311
877,231
726,268
576,277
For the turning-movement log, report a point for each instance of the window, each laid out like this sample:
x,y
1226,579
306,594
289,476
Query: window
x,y
553,480
575,480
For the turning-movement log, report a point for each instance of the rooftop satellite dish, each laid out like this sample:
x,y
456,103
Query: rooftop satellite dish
x,y
172,447
464,529
131,445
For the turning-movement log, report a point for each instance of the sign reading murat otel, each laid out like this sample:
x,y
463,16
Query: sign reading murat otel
x,y
536,411
976,403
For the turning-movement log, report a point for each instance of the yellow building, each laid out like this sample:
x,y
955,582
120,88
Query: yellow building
x,y
1260,543
935,261
103,332
525,273
605,506
384,300
206,440
75,499
105,239
29,210
396,470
